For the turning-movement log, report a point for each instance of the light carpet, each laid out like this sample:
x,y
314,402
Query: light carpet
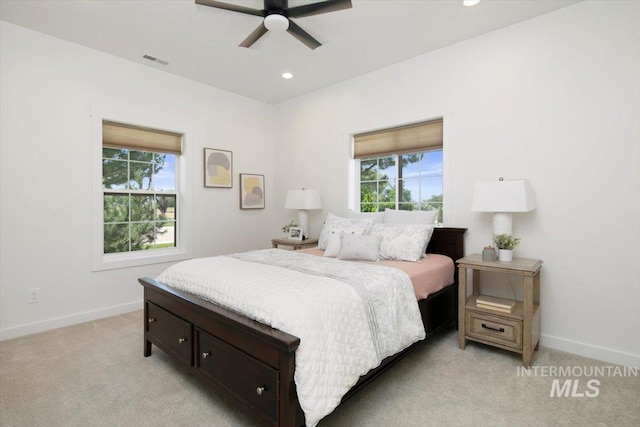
x,y
94,374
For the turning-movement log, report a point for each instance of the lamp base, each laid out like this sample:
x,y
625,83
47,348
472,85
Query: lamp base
x,y
303,222
502,223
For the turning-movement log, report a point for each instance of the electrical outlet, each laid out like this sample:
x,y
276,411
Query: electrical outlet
x,y
34,295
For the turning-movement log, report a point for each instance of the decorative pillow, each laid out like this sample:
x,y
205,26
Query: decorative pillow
x,y
392,216
375,216
362,248
335,224
403,242
333,246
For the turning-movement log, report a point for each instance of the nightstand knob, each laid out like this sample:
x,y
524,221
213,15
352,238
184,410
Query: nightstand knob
x,y
260,390
181,340
206,354
151,319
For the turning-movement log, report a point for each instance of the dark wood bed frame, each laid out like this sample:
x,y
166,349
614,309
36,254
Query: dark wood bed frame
x,y
251,364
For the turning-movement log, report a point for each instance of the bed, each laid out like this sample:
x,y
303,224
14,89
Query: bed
x,y
253,364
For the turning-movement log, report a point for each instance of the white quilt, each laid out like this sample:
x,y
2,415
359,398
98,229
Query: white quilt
x,y
348,316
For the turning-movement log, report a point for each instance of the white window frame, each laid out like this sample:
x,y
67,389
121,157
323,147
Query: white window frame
x,y
132,116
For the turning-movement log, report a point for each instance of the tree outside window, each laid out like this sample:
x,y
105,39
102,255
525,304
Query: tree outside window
x,y
404,181
139,200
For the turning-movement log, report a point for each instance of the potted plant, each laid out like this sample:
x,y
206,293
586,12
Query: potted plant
x,y
505,243
287,227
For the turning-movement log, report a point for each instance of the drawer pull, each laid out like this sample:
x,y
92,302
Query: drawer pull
x,y
181,340
492,329
152,319
206,354
261,390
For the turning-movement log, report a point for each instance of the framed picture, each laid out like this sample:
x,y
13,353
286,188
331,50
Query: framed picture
x,y
251,191
295,233
218,168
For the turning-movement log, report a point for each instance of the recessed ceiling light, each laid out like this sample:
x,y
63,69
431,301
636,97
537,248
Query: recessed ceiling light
x,y
470,3
287,76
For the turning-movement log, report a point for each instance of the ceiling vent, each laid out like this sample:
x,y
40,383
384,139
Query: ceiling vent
x,y
154,59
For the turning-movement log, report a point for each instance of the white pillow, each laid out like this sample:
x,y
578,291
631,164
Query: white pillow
x,y
375,216
333,246
403,242
392,216
335,224
361,248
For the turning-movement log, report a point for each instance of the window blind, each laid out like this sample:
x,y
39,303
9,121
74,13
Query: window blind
x,y
400,140
118,135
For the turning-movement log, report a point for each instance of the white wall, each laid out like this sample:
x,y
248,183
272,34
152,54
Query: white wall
x,y
555,99
48,87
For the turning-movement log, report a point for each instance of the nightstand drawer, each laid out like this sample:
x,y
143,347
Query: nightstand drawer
x,y
495,329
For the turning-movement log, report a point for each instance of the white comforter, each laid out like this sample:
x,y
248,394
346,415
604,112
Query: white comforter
x,y
348,316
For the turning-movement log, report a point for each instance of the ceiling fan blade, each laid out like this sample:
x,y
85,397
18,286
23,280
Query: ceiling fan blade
x,y
254,36
276,4
318,8
302,35
232,7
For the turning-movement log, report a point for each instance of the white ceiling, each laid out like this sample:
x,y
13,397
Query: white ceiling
x,y
201,43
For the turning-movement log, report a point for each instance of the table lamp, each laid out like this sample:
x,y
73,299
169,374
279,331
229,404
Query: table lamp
x,y
503,197
304,201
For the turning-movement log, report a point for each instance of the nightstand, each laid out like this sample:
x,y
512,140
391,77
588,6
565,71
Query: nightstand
x,y
518,331
295,244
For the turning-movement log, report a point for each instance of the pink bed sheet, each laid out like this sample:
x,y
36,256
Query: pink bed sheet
x,y
429,275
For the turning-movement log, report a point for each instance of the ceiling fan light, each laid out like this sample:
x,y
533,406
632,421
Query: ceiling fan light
x,y
276,22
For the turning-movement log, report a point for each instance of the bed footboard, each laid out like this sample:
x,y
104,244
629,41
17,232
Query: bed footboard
x,y
246,362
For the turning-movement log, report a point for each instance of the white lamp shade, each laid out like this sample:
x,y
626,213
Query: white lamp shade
x,y
503,196
303,199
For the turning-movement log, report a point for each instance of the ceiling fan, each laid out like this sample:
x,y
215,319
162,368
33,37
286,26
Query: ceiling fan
x,y
277,14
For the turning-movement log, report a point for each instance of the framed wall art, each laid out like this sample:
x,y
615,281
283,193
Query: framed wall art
x,y
251,191
218,168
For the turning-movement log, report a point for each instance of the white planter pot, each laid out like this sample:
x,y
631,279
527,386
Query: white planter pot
x,y
505,255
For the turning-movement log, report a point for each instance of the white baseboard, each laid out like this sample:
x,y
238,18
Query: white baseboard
x,y
59,322
562,344
591,351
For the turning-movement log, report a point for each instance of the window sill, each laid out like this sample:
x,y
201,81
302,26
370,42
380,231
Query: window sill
x,y
136,259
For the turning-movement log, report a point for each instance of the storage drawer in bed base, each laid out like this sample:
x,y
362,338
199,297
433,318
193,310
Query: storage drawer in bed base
x,y
249,379
169,332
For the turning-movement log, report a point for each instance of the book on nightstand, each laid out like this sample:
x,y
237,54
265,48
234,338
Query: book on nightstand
x,y
498,304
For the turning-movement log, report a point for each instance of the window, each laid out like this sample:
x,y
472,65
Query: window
x,y
401,168
139,200
404,181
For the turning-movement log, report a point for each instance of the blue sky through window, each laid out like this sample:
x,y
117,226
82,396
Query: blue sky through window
x,y
424,178
164,179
